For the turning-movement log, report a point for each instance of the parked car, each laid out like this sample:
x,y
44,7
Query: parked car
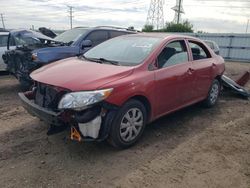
x,y
30,56
119,86
20,45
213,45
3,48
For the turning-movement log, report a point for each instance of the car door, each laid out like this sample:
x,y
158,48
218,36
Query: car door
x,y
174,78
203,66
3,48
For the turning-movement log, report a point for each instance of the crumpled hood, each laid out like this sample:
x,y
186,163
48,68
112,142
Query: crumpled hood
x,y
24,33
49,54
78,75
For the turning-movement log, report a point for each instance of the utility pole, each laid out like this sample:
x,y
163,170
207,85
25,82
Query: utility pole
x,y
2,20
247,25
70,15
179,12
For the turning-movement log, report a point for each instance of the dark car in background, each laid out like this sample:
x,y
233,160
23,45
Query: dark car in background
x,y
17,55
30,56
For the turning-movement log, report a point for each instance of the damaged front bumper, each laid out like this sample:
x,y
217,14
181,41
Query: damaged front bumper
x,y
235,87
47,116
89,125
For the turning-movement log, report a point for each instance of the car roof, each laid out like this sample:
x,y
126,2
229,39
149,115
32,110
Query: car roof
x,y
4,33
110,28
161,35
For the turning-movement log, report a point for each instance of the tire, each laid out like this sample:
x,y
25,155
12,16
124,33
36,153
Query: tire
x,y
128,124
25,84
213,94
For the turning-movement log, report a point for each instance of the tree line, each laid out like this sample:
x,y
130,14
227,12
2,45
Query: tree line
x,y
185,27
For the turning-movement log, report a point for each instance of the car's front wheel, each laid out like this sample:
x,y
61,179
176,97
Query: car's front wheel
x,y
213,94
128,125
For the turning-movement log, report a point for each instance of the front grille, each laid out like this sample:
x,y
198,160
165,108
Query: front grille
x,y
48,96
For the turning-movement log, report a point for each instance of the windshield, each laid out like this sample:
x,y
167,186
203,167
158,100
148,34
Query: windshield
x,y
70,35
26,41
124,50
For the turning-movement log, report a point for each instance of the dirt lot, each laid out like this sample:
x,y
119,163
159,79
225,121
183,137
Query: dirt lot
x,y
194,147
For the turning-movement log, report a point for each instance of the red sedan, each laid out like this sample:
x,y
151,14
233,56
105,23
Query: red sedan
x,y
121,85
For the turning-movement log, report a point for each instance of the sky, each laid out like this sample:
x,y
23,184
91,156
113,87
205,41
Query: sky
x,y
223,16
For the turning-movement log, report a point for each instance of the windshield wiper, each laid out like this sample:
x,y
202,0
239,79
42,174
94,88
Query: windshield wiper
x,y
109,61
101,60
92,59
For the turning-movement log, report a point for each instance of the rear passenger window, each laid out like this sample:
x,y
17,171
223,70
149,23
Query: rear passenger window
x,y
174,53
199,51
116,34
97,37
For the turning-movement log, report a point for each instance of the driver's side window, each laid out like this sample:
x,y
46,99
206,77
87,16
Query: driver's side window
x,y
174,53
97,37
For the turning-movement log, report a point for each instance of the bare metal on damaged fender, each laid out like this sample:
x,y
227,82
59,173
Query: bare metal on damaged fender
x,y
95,123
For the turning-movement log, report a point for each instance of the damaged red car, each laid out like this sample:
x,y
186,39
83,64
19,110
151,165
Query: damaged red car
x,y
119,86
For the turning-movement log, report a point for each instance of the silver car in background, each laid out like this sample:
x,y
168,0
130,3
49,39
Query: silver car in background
x,y
213,46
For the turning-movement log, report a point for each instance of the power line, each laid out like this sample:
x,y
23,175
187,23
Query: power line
x,y
2,21
238,1
215,6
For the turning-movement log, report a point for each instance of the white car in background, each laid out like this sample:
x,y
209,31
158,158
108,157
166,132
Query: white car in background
x,y
3,48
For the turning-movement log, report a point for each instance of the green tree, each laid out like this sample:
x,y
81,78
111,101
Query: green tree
x,y
185,27
148,28
200,31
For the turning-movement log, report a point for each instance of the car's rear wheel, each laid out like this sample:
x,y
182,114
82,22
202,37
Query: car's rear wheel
x,y
128,124
213,94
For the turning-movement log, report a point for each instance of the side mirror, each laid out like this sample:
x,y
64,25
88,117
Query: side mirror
x,y
153,66
217,52
86,44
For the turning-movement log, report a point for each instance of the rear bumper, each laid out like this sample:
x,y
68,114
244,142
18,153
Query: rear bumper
x,y
48,116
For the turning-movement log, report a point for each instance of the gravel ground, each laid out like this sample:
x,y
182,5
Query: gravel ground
x,y
194,147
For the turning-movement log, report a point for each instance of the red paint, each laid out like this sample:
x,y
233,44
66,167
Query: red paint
x,y
243,79
167,89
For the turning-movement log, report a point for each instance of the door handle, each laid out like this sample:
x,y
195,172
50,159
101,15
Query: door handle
x,y
190,71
